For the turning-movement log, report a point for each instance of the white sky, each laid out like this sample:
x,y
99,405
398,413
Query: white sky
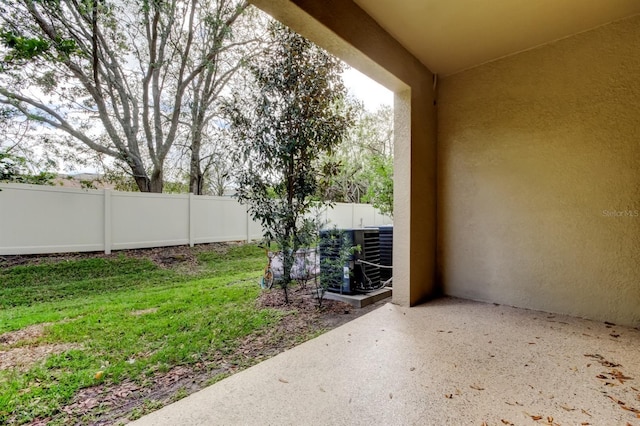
x,y
362,87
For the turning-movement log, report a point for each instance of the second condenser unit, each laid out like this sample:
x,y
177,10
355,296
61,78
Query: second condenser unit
x,y
341,253
386,252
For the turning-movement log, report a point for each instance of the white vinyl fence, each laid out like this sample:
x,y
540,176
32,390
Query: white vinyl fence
x,y
43,219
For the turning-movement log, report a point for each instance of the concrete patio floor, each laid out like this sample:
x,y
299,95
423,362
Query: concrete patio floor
x,y
447,362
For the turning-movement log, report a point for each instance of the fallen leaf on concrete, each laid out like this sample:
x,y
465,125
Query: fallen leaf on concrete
x,y
507,422
476,387
513,403
617,374
567,408
616,400
586,412
282,381
585,424
624,406
602,376
448,395
536,418
602,361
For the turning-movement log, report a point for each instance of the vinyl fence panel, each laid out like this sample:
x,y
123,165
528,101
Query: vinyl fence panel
x,y
149,220
222,219
42,219
38,219
341,216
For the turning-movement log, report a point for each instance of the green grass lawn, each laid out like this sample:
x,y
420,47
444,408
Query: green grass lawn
x,y
126,317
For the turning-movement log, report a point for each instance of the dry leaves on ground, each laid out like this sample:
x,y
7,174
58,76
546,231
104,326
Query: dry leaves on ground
x,y
29,333
20,349
24,357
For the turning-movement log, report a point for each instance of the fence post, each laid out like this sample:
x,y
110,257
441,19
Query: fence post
x,y
107,221
192,226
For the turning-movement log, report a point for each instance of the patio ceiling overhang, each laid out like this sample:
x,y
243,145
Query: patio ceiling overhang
x,y
453,35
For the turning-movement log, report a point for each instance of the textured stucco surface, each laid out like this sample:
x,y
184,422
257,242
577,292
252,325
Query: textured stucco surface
x,y
539,177
347,31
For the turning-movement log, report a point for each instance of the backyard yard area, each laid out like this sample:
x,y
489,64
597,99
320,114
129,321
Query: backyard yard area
x,y
97,339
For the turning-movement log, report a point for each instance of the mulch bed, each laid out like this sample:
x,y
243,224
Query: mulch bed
x,y
161,256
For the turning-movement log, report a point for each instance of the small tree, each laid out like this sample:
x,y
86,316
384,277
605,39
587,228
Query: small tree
x,y
295,113
380,190
13,168
338,249
364,160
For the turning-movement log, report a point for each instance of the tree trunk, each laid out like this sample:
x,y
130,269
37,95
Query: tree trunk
x,y
196,177
196,182
195,171
143,182
139,175
219,188
156,183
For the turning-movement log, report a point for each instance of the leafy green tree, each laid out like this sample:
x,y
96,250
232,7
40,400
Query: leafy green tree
x,y
380,190
119,76
363,163
293,113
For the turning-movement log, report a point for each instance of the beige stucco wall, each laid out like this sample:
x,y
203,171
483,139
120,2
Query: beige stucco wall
x,y
342,28
536,153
